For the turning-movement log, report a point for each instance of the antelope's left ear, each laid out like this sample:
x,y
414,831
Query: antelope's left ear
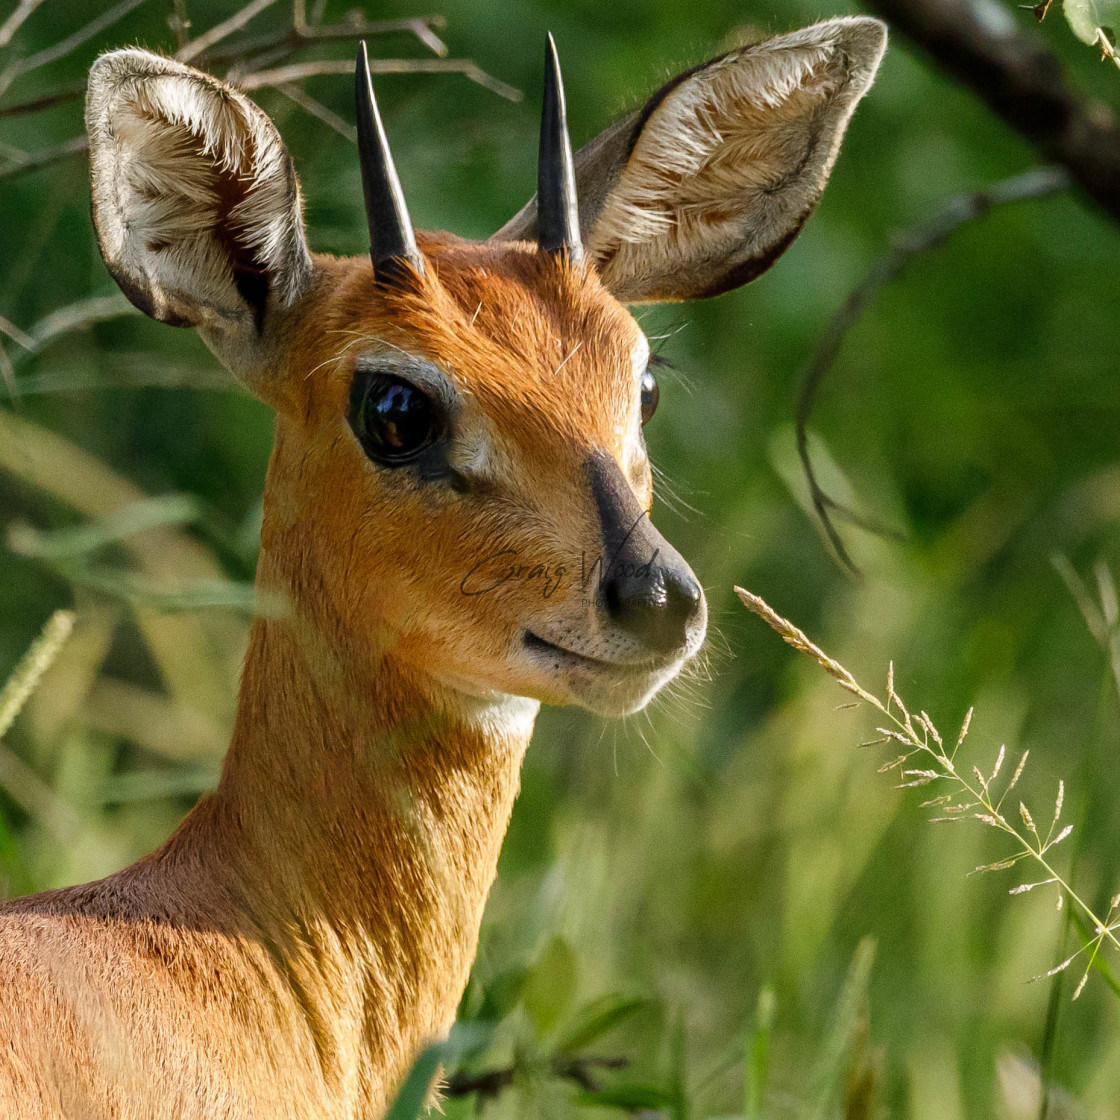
x,y
706,185
195,202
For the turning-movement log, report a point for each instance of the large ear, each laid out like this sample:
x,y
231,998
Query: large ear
x,y
706,185
195,201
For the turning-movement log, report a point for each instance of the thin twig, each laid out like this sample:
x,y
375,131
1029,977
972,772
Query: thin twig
x,y
1013,70
127,371
179,21
318,110
300,35
71,91
1103,621
13,23
1108,51
956,212
74,316
20,338
1039,10
45,156
298,72
222,30
70,43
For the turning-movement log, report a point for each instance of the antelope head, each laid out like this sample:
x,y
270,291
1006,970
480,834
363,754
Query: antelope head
x,y
460,486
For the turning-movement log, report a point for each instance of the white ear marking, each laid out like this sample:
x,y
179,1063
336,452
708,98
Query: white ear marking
x,y
731,161
705,186
194,196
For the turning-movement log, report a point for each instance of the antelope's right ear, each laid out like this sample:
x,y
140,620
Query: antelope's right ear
x,y
706,185
195,201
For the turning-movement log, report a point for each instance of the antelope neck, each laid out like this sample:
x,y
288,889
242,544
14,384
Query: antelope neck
x,y
361,820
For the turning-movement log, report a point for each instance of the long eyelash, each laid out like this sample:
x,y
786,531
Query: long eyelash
x,y
663,366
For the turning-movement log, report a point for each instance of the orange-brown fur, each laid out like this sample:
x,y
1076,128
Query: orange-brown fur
x,y
288,951
313,921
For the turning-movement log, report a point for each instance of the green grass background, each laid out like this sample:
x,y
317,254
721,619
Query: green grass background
x,y
734,842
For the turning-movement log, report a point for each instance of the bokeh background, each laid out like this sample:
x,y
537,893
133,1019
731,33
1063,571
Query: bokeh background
x,y
782,932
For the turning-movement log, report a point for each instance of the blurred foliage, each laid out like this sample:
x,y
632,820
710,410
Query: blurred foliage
x,y
700,890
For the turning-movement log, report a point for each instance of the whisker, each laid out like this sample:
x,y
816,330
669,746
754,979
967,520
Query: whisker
x,y
673,494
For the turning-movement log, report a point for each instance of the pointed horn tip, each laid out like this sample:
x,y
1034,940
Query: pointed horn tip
x,y
551,57
393,248
557,206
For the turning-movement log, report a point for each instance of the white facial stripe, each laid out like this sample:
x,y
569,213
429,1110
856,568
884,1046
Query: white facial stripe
x,y
640,356
635,452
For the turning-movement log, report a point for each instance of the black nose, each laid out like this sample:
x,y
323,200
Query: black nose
x,y
646,589
654,603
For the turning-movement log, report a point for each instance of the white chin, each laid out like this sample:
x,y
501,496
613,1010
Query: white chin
x,y
616,695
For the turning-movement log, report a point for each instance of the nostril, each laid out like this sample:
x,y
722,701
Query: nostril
x,y
683,592
613,598
656,606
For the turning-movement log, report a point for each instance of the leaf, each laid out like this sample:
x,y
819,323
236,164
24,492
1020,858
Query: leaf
x,y
412,1099
758,1055
502,994
413,1094
595,1019
551,985
629,1098
1085,16
125,521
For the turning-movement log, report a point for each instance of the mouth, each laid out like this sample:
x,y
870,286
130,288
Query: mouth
x,y
570,658
610,687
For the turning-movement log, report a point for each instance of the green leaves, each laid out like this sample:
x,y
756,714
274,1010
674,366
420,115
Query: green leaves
x,y
551,986
413,1096
1087,17
758,1055
629,1098
597,1019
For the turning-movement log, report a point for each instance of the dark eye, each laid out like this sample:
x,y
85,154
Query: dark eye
x,y
650,396
393,419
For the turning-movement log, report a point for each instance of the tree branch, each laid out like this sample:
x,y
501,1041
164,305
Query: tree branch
x,y
12,24
288,40
222,30
71,43
298,72
957,211
1013,71
45,156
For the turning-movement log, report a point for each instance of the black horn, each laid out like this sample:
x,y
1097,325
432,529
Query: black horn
x,y
391,238
557,204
